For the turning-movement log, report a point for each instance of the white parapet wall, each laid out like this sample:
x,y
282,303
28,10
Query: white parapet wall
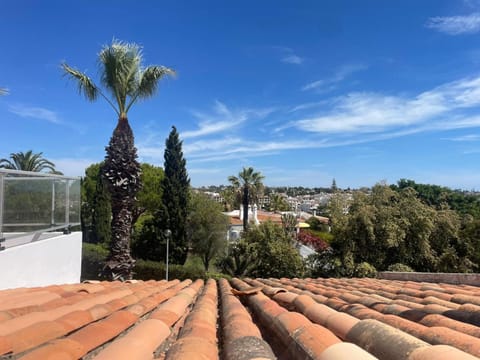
x,y
446,278
57,260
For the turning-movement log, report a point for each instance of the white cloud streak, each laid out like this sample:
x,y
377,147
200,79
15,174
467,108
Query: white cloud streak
x,y
35,113
352,119
292,59
465,138
289,56
222,119
330,83
372,112
455,25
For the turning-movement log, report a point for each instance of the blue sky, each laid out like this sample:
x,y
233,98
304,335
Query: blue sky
x,y
303,91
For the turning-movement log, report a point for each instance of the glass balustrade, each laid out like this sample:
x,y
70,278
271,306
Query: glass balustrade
x,y
36,206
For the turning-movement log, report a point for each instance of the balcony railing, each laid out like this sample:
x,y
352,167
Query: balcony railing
x,y
36,206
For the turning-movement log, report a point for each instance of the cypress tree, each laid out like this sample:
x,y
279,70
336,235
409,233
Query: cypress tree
x,y
175,198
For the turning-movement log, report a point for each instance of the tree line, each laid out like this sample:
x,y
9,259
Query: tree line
x,y
406,226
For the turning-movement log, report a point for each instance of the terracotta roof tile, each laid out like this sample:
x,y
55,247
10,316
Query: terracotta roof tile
x,y
269,318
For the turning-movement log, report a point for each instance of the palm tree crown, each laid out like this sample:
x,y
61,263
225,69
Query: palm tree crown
x,y
28,161
122,75
249,182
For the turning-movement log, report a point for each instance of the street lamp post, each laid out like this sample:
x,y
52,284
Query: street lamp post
x,y
168,233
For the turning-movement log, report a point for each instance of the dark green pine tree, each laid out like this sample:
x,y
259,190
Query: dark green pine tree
x,y
102,213
175,199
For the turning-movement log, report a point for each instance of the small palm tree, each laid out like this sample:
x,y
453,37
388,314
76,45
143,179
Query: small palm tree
x,y
278,203
249,184
28,161
126,81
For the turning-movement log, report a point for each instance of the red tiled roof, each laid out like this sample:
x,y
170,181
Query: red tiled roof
x,y
235,220
242,319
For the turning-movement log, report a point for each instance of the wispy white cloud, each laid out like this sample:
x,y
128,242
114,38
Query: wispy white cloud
x,y
465,138
289,56
241,148
292,59
35,113
341,74
455,25
222,119
373,112
211,145
334,122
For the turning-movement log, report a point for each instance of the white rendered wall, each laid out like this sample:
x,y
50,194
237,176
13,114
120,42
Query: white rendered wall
x,y
56,260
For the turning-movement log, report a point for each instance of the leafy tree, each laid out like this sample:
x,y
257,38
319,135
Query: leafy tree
x,y
278,203
150,238
400,268
249,184
386,227
88,189
102,213
438,196
316,225
273,252
470,233
175,199
124,77
28,161
149,198
231,200
207,228
364,269
96,207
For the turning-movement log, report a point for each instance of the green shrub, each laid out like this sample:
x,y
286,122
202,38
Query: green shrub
x,y
93,260
216,276
399,267
94,255
365,269
153,270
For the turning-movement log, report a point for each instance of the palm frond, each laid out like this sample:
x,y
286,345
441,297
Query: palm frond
x,y
85,85
6,164
120,70
234,181
28,161
4,91
149,79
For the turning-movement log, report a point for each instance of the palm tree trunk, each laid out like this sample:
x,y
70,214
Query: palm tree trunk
x,y
245,207
120,263
122,172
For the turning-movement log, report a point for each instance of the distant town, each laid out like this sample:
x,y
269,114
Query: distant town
x,y
311,200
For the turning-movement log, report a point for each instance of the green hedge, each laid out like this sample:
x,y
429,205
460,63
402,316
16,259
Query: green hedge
x,y
94,256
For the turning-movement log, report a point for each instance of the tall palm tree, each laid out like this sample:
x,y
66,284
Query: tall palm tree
x,y
28,161
249,184
126,81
